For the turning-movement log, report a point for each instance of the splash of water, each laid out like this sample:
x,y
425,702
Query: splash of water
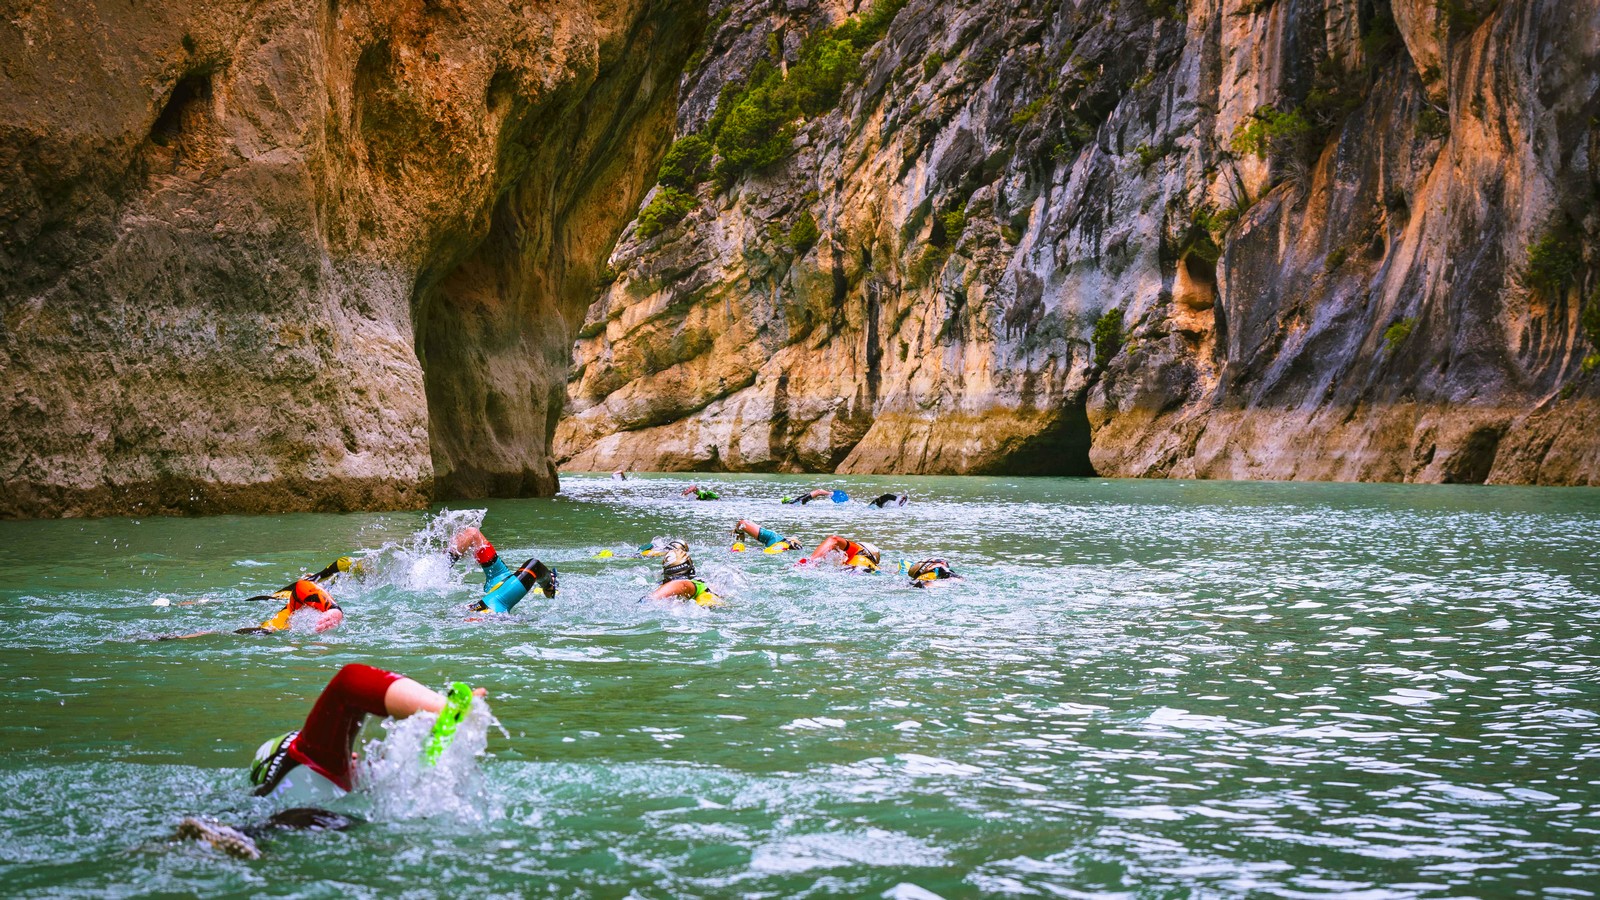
x,y
402,786
418,562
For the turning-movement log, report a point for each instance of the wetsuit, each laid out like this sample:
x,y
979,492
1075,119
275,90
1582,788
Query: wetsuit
x,y
769,538
302,595
325,743
703,494
503,589
886,499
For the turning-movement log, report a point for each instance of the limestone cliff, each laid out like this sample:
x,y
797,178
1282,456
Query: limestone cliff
x,y
309,254
1346,239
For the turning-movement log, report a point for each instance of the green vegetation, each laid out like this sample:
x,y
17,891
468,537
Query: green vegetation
x,y
687,163
1149,155
1165,9
1026,114
1270,132
1335,259
942,238
1553,262
1107,337
667,209
1589,320
804,234
932,65
1396,334
1463,14
1381,40
1432,123
755,123
591,329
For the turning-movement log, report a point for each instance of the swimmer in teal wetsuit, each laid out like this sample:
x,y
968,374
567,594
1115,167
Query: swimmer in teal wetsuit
x,y
503,589
771,540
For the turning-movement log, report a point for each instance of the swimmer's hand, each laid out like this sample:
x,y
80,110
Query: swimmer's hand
x,y
330,620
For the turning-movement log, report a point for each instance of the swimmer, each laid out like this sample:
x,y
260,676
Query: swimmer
x,y
858,555
503,589
678,581
316,763
768,538
818,494
931,569
889,500
619,475
699,493
302,595
656,547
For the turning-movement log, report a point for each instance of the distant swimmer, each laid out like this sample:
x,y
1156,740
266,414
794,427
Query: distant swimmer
x,y
931,569
503,589
678,581
302,595
619,475
835,495
316,764
890,500
699,493
858,555
770,540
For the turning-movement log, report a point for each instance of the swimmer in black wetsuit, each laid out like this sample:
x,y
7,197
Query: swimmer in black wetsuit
x,y
889,500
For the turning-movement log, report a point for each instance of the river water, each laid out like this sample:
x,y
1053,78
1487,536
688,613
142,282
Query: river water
x,y
1150,689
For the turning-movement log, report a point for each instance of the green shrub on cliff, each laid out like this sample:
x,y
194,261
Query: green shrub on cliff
x,y
668,208
1270,132
1107,337
687,163
817,80
1396,334
754,125
1553,263
758,131
1589,321
803,236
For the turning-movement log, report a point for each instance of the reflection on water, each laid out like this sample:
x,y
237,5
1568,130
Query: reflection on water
x,y
1147,689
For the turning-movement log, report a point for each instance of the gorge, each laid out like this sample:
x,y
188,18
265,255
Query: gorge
x,y
333,256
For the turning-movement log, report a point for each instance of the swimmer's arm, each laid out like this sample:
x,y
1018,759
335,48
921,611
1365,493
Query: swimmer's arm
x,y
406,697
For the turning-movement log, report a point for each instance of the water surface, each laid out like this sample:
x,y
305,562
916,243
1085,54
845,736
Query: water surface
x,y
1148,689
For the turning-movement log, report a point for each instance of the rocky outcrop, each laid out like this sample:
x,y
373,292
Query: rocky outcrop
x,y
1342,239
309,255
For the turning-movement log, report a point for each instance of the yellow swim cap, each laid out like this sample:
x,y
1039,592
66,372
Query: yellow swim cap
x,y
706,598
738,547
342,563
604,554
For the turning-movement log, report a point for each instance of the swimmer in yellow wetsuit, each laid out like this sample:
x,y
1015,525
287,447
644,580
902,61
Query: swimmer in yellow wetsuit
x,y
678,581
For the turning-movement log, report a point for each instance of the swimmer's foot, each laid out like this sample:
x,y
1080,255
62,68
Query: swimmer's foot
x,y
224,838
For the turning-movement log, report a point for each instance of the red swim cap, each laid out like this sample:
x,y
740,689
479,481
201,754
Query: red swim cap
x,y
485,554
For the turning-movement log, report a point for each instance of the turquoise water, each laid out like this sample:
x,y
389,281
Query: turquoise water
x,y
1149,689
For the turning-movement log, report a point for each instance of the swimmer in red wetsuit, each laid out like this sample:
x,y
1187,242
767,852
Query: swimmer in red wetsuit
x,y
324,745
317,762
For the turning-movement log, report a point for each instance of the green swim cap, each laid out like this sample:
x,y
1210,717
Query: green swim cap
x,y
272,760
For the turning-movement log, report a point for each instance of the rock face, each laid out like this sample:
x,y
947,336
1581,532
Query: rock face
x,y
309,255
1332,239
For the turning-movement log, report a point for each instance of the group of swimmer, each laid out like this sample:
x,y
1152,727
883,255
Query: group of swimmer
x,y
834,494
304,768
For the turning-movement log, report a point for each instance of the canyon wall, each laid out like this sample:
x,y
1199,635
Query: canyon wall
x,y
309,254
1330,239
